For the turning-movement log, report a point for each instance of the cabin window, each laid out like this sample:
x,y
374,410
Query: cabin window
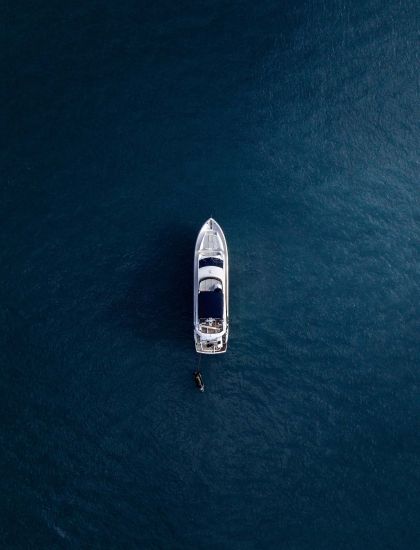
x,y
210,284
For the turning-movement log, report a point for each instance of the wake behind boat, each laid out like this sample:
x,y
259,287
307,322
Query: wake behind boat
x,y
211,290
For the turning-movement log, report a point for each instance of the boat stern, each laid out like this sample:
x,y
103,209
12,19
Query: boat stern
x,y
210,346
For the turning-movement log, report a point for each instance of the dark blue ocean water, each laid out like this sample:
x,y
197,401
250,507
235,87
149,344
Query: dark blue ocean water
x,y
125,125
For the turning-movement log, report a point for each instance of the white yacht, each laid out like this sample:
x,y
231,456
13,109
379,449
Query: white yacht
x,y
211,290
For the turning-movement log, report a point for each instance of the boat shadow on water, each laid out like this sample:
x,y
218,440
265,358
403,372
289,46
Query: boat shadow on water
x,y
158,303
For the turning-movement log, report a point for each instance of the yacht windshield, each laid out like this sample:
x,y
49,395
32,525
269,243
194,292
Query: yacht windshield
x,y
216,262
210,284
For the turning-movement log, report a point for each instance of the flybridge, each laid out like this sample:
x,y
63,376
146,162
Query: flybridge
x,y
211,290
210,305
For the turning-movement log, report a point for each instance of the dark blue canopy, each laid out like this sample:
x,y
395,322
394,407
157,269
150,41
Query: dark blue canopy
x,y
210,304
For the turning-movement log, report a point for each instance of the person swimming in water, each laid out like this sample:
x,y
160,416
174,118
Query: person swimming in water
x,y
198,380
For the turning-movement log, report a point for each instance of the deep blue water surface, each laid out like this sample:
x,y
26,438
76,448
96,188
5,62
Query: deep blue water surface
x,y
125,125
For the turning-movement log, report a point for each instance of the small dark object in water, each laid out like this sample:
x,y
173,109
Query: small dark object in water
x,y
198,380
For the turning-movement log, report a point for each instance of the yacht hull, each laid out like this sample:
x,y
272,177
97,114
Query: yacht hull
x,y
211,290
